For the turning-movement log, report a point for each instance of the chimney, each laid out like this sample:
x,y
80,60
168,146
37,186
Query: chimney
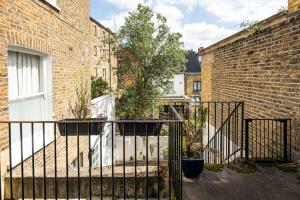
x,y
201,49
293,5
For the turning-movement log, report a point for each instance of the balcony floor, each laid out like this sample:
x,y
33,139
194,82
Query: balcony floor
x,y
266,183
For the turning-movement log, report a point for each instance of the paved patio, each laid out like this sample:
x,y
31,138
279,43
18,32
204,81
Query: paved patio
x,y
265,184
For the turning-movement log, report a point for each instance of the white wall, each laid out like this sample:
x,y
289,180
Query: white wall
x,y
140,147
103,106
178,86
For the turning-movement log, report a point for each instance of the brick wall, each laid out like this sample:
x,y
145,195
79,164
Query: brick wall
x,y
62,34
260,67
293,5
189,79
104,58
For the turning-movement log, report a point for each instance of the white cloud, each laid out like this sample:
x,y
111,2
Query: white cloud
x,y
172,13
126,4
202,34
240,10
114,22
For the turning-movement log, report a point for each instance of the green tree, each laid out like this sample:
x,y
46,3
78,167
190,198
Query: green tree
x,y
151,54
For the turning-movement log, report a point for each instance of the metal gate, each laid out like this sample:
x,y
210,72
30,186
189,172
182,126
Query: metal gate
x,y
268,140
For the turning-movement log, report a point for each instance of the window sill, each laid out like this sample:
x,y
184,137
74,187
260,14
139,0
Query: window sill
x,y
52,5
22,98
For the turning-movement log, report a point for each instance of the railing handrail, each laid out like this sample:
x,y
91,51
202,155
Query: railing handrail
x,y
92,121
177,115
222,125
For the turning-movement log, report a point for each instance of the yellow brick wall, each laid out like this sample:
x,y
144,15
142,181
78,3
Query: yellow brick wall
x,y
206,84
99,62
189,79
63,34
293,5
262,69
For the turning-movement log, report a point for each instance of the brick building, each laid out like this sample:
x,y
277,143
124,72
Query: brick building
x,y
260,66
45,54
192,76
104,60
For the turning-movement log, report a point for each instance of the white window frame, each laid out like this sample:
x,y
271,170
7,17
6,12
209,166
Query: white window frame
x,y
198,86
46,65
46,85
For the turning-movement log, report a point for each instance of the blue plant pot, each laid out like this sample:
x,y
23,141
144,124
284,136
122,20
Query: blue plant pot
x,y
192,168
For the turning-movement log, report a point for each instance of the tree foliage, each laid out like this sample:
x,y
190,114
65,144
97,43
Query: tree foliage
x,y
151,54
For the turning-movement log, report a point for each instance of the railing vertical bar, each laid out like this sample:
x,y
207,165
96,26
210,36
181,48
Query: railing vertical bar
x,y
101,173
272,141
32,161
67,163
10,162
147,164
169,158
290,135
276,141
215,121
235,131
112,162
221,135
280,139
135,163
228,136
44,162
268,149
265,139
242,131
247,139
124,160
78,161
285,141
90,164
55,163
260,138
256,137
22,162
208,119
181,151
158,171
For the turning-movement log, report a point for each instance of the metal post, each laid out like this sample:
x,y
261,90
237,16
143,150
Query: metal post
x,y
285,139
247,121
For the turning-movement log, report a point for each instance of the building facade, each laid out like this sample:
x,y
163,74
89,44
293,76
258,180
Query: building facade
x,y
260,67
44,57
104,60
192,76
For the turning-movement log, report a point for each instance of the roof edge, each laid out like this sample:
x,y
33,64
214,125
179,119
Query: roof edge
x,y
102,26
244,33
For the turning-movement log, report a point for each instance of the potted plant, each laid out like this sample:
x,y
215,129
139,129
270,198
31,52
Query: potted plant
x,y
192,162
80,124
151,55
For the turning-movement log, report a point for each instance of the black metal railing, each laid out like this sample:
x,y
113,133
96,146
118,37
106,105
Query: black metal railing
x,y
268,140
226,141
104,159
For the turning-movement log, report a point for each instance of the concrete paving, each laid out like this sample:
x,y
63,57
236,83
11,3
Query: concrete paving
x,y
265,184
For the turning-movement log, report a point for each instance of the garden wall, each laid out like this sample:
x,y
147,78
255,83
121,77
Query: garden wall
x,y
260,66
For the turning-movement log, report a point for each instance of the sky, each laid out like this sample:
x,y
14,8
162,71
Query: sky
x,y
201,22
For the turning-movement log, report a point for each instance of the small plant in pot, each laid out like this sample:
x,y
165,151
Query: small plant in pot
x,y
151,55
192,162
80,109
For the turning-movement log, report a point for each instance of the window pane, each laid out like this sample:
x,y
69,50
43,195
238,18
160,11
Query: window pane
x,y
24,74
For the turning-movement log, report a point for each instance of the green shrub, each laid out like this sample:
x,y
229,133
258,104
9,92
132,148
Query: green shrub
x,y
214,167
243,167
98,88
